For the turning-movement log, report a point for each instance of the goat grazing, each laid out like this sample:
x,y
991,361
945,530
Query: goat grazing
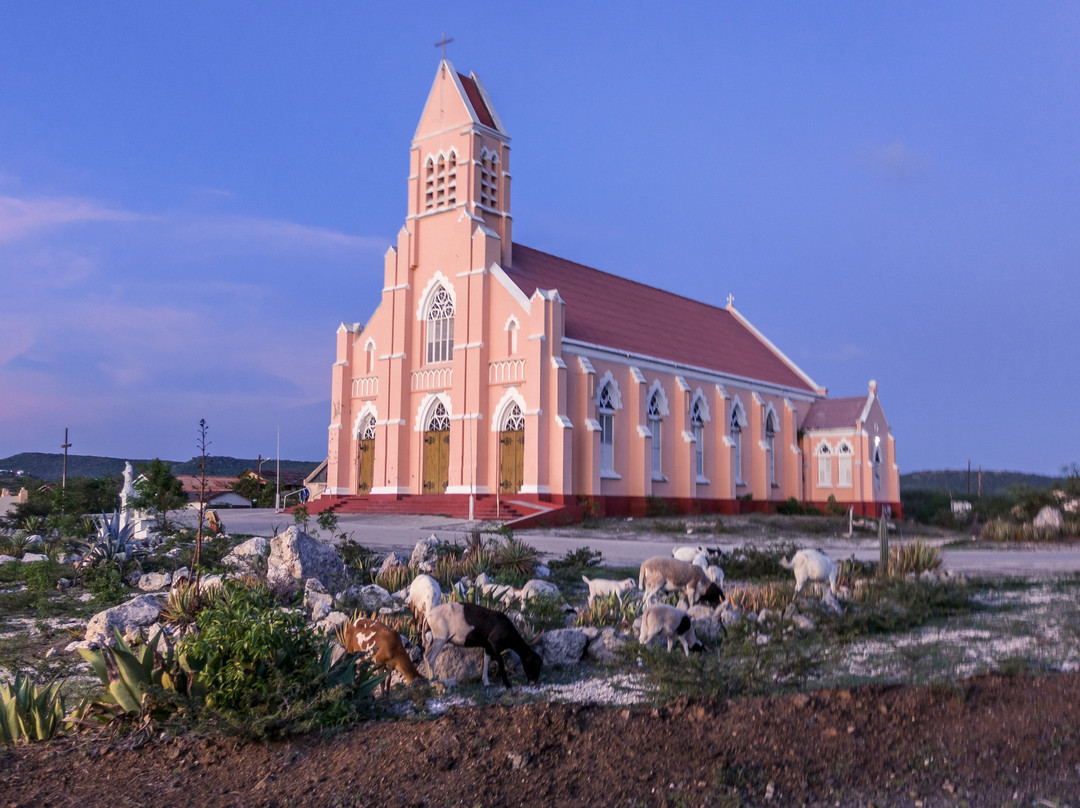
x,y
813,566
671,575
690,553
467,625
424,595
380,644
602,587
661,620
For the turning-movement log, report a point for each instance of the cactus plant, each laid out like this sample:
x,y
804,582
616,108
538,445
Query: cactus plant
x,y
112,542
27,713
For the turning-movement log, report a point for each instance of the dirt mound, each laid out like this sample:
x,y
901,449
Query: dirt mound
x,y
987,741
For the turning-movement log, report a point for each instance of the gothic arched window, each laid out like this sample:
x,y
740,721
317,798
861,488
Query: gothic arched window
x,y
824,466
429,184
605,407
843,460
656,426
697,424
770,447
440,327
736,444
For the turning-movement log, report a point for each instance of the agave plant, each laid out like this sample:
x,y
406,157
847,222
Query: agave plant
x,y
915,557
516,556
33,524
127,676
17,543
27,713
395,578
607,610
112,543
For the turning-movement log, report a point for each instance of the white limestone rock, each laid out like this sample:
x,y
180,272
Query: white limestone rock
x,y
563,646
246,555
374,598
7,559
803,623
137,613
542,571
317,601
606,647
1049,518
295,557
155,581
329,623
30,558
460,664
425,554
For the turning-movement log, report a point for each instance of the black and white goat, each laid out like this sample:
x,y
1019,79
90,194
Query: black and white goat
x,y
470,626
661,620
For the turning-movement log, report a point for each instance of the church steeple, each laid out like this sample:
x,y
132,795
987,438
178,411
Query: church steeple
x,y
460,157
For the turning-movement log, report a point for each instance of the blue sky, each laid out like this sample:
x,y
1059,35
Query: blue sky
x,y
193,196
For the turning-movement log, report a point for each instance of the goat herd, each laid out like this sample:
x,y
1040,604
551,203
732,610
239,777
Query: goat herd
x,y
468,625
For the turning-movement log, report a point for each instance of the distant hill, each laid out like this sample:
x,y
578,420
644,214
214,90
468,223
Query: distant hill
x,y
50,466
956,481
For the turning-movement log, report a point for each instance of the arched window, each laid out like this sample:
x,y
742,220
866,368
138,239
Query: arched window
x,y
514,419
439,420
656,425
877,468
843,461
736,444
511,337
440,183
451,178
440,327
369,358
770,447
367,428
429,184
489,179
697,424
824,465
605,406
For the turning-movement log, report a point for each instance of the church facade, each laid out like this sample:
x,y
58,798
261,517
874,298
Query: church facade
x,y
493,371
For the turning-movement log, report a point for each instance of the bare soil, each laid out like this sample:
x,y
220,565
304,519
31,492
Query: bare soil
x,y
988,741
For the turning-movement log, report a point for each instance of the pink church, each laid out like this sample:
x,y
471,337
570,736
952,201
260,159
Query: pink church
x,y
497,380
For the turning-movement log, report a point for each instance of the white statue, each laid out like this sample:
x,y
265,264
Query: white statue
x,y
126,493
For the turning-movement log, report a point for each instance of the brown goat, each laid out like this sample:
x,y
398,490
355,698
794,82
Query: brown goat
x,y
382,645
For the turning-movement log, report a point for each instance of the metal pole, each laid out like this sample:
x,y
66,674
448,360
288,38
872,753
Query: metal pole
x,y
277,482
65,447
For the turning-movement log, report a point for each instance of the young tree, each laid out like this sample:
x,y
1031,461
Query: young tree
x,y
158,491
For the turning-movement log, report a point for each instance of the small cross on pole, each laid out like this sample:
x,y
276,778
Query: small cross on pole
x,y
443,45
730,300
65,446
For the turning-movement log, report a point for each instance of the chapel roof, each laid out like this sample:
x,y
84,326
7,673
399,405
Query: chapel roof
x,y
476,99
833,413
606,310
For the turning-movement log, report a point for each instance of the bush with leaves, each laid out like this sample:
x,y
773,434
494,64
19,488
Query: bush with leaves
x,y
263,668
159,491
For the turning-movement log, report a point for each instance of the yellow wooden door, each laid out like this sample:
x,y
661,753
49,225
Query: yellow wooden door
x,y
512,460
365,465
436,461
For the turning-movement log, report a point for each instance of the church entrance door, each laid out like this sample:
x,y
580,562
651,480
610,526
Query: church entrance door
x,y
365,457
512,452
437,452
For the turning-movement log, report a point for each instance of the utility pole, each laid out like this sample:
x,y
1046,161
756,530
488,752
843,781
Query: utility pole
x,y
65,446
277,482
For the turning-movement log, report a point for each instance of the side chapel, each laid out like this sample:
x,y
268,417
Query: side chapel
x,y
495,378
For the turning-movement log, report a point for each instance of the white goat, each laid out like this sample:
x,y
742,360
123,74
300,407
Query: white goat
x,y
688,553
602,587
424,595
661,620
671,575
813,566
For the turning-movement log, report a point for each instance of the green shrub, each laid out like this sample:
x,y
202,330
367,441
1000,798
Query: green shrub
x,y
657,506
577,560
41,576
913,558
105,584
751,563
266,672
790,508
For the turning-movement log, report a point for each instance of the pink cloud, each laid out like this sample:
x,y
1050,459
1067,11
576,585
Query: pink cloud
x,y
22,217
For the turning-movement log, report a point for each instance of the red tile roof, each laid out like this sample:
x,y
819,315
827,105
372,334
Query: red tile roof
x,y
832,413
626,315
477,101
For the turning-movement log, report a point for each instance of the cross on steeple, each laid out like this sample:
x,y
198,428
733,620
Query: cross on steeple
x,y
730,300
443,45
